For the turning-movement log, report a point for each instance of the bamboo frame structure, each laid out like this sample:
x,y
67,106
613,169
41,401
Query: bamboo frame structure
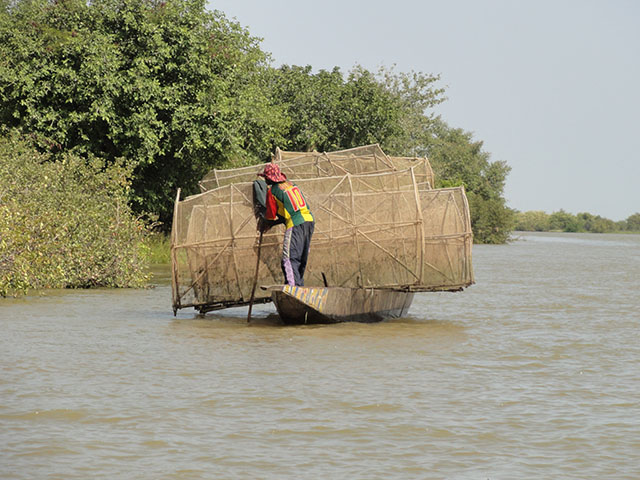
x,y
378,230
298,165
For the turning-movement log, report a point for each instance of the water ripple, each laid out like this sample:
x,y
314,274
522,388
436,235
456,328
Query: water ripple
x,y
530,373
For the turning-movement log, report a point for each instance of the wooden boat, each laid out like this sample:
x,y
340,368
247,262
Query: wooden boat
x,y
380,236
308,305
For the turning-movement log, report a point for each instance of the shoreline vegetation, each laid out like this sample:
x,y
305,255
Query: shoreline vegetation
x,y
66,224
158,249
561,221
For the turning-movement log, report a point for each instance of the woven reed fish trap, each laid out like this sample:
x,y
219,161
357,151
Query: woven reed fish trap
x,y
376,230
298,165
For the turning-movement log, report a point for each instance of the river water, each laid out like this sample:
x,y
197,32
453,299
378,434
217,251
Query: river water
x,y
534,372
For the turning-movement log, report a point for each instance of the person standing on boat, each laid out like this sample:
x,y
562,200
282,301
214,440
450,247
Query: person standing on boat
x,y
286,201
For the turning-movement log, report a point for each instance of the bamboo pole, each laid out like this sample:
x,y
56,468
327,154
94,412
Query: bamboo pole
x,y
174,257
233,250
355,229
391,255
255,277
468,240
420,229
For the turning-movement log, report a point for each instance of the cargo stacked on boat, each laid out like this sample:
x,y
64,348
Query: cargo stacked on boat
x,y
381,234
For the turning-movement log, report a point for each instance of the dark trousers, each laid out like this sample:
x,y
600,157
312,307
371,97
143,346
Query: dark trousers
x,y
295,251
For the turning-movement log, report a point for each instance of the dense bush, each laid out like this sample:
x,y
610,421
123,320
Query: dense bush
x,y
66,223
532,221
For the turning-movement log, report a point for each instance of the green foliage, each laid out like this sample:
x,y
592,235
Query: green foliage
x,y
563,221
65,224
326,112
169,85
311,103
594,223
459,160
566,222
491,220
368,113
633,222
177,90
532,221
417,94
159,248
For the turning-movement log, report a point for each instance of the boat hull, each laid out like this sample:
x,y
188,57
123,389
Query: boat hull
x,y
309,305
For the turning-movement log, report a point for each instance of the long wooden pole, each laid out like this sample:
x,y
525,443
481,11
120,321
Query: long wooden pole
x,y
175,287
255,278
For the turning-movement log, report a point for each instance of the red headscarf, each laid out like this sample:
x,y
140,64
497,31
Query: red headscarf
x,y
272,172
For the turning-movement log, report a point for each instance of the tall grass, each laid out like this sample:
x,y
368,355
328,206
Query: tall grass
x,y
158,248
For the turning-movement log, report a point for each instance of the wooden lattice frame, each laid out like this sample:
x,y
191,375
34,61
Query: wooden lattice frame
x,y
362,234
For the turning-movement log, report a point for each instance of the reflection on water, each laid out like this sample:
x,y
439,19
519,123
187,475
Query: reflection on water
x,y
530,373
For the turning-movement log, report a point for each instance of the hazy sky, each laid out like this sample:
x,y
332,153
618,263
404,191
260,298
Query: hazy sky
x,y
551,87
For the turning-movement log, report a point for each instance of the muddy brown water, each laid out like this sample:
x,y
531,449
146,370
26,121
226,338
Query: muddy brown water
x,y
534,372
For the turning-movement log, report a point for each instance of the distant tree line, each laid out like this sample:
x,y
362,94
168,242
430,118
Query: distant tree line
x,y
561,221
171,90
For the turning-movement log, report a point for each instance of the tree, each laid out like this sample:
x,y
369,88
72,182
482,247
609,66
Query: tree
x,y
564,222
532,221
369,112
328,111
459,160
168,86
175,90
633,222
331,110
417,94
594,223
311,103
